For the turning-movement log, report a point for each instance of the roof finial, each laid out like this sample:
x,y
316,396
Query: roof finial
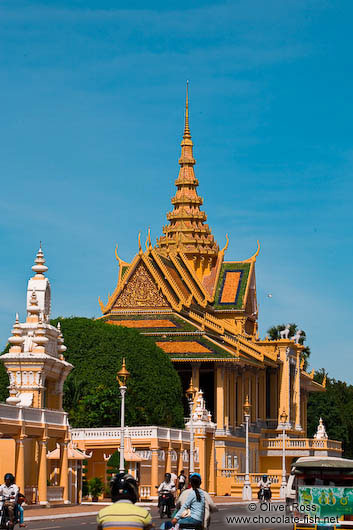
x,y
187,128
39,268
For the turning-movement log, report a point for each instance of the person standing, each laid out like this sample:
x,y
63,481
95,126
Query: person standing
x,y
181,481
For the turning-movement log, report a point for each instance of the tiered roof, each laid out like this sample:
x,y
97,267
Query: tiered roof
x,y
195,305
187,228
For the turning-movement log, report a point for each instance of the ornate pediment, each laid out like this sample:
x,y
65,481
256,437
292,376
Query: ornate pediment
x,y
141,291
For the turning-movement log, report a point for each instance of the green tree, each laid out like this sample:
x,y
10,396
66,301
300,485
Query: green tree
x,y
335,407
274,334
4,378
113,465
91,391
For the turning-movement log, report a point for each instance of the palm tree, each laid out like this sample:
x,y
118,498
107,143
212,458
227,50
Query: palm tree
x,y
274,334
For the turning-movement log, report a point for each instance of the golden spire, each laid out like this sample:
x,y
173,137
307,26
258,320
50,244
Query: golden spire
x,y
187,230
187,128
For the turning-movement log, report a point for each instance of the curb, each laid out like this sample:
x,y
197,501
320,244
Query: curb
x,y
87,514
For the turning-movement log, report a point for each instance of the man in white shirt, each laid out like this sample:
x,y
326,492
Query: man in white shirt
x,y
167,484
8,493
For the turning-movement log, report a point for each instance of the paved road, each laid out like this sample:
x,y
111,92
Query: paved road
x,y
228,517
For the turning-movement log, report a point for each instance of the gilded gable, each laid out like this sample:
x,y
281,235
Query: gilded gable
x,y
140,291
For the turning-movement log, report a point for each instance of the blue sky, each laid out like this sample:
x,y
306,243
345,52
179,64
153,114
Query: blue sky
x,y
91,101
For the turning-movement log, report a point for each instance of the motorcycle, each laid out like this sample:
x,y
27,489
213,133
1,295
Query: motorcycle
x,y
265,494
165,503
4,517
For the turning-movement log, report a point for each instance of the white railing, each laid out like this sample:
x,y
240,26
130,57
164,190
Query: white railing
x,y
300,443
32,415
31,494
55,493
256,477
109,433
145,492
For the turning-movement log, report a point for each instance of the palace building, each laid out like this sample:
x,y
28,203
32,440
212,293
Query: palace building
x,y
201,310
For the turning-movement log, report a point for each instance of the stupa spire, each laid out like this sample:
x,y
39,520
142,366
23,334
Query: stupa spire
x,y
186,229
186,127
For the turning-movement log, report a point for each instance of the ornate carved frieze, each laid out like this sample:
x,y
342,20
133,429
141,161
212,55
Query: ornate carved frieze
x,y
141,291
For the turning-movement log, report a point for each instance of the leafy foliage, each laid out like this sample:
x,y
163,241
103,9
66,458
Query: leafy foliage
x,y
335,407
274,334
91,391
113,465
95,486
4,379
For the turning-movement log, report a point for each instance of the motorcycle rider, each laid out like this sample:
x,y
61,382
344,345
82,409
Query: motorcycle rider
x,y
265,484
9,491
210,506
168,486
123,512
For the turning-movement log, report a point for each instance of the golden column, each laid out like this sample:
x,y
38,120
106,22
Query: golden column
x,y
180,458
212,480
298,426
284,394
154,468
42,473
220,397
20,463
168,460
64,470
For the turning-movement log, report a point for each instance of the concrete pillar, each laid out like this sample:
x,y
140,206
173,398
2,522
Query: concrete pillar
x,y
226,398
42,472
297,393
168,459
239,400
274,390
212,472
220,396
284,393
154,470
232,400
263,394
195,367
180,458
20,463
64,471
201,444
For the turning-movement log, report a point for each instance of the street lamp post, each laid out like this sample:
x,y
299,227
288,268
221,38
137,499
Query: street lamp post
x,y
247,491
122,376
282,491
190,394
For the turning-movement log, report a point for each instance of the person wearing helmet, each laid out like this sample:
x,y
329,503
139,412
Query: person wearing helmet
x,y
194,504
167,484
264,492
8,493
123,512
210,506
167,487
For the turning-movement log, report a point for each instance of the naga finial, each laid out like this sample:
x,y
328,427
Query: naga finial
x,y
254,256
102,306
139,243
148,240
116,255
226,245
